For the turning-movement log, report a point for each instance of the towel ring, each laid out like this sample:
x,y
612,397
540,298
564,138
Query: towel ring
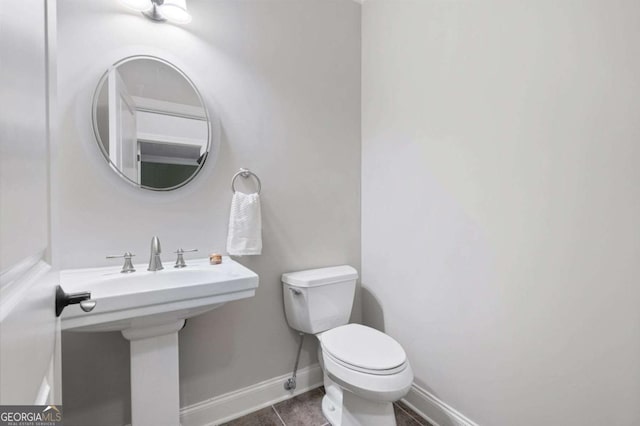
x,y
245,173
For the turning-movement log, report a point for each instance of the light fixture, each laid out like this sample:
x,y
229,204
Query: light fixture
x,y
138,5
176,11
161,10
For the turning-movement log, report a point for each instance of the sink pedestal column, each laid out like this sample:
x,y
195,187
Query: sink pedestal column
x,y
155,387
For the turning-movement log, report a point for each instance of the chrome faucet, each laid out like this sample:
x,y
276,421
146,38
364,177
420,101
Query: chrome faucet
x,y
155,263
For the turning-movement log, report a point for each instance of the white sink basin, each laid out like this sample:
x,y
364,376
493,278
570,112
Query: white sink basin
x,y
143,298
150,308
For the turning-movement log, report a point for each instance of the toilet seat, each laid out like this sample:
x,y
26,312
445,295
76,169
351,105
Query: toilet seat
x,y
363,349
385,372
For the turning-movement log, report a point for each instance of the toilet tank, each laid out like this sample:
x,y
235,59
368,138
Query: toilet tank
x,y
316,300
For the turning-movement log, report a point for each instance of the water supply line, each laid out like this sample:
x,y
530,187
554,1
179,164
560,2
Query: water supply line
x,y
290,384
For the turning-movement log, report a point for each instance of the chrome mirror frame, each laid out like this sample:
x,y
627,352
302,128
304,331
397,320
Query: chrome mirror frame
x,y
98,139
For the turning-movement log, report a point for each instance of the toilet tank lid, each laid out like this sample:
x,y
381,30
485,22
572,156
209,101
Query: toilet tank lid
x,y
321,276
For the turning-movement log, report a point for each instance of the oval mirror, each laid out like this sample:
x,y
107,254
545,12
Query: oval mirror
x,y
151,123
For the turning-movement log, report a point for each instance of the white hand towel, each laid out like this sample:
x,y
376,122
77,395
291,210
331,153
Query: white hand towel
x,y
245,225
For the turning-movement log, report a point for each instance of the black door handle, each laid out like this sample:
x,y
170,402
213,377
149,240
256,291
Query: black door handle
x,y
64,299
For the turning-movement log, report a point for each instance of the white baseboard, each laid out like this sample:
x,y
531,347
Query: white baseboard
x,y
433,409
238,403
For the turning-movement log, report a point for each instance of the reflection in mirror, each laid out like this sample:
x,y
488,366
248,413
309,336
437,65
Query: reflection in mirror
x,y
151,123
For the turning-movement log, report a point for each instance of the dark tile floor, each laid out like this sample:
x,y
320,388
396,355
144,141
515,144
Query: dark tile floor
x,y
305,410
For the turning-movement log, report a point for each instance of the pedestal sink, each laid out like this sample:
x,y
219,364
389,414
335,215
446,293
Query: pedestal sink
x,y
149,308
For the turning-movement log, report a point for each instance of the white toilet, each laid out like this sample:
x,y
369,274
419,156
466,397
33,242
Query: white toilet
x,y
364,369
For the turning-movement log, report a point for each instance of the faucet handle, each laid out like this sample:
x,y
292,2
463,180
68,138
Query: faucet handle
x,y
128,266
180,263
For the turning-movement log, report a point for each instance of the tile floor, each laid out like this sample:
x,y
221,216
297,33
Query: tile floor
x,y
305,410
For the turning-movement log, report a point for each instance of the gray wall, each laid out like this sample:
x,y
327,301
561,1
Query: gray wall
x,y
505,135
284,79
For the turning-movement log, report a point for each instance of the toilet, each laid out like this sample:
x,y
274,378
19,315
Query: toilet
x,y
365,370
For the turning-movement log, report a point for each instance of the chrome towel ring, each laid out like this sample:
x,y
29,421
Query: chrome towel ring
x,y
245,173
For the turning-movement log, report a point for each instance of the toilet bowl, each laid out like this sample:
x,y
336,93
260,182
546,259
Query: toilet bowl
x,y
365,370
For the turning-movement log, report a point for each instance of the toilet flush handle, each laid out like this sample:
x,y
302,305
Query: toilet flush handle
x,y
295,291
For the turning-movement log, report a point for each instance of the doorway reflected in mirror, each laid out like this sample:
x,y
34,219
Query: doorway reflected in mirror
x,y
151,123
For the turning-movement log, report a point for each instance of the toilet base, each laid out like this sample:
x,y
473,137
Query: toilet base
x,y
344,408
